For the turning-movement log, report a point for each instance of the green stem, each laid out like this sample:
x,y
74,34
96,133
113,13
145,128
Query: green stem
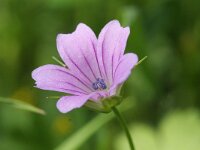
x,y
123,124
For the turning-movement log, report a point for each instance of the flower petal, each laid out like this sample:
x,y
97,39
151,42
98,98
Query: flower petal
x,y
78,51
123,69
67,103
111,44
56,78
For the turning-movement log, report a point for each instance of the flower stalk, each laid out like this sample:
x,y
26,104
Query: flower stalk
x,y
124,126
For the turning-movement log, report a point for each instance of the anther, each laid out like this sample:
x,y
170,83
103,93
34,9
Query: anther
x,y
99,84
95,86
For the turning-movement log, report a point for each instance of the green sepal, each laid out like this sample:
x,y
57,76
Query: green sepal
x,y
104,105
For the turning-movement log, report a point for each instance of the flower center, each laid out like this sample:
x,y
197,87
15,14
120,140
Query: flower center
x,y
99,84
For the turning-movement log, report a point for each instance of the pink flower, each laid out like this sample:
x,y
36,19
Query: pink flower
x,y
96,67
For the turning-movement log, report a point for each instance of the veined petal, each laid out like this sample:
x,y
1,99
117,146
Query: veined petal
x,y
111,44
120,48
78,51
123,69
67,103
56,78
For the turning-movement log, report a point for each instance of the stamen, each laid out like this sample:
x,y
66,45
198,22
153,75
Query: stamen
x,y
99,84
95,86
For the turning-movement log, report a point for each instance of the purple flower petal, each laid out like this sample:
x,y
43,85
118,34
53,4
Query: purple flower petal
x,y
56,78
123,69
67,103
78,51
96,68
111,44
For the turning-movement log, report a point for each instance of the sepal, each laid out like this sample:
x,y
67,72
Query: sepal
x,y
104,105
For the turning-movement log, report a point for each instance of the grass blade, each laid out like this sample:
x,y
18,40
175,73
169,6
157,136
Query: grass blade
x,y
22,105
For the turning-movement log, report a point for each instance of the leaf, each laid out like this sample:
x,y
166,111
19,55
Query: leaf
x,y
22,105
178,130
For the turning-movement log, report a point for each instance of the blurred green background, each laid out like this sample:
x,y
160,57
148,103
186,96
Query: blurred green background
x,y
164,90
